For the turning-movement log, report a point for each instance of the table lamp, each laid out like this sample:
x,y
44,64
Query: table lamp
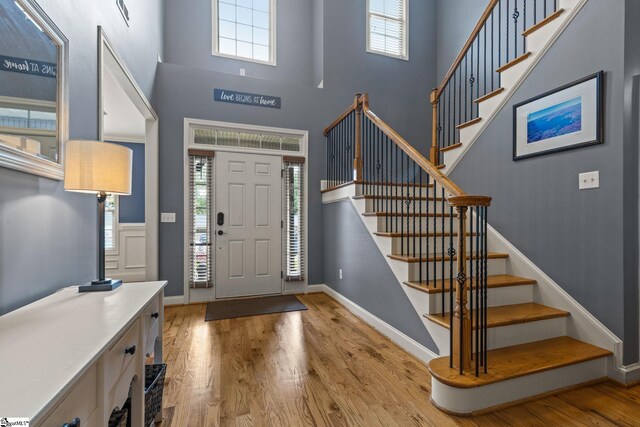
x,y
98,168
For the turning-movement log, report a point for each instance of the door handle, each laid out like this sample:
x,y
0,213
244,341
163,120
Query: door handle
x,y
220,218
220,233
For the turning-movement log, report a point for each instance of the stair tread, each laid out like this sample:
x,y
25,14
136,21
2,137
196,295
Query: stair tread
x,y
469,123
494,281
451,147
519,360
423,234
394,184
513,62
512,314
490,95
383,197
440,257
410,214
542,23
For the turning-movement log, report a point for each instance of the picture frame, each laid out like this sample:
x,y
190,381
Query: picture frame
x,y
568,117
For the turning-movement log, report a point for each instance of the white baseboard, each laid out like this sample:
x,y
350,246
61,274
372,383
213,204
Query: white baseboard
x,y
174,300
400,338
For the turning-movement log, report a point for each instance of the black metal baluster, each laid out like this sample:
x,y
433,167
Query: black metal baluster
x,y
493,70
524,27
402,204
408,204
466,81
470,281
485,62
413,205
443,252
420,228
478,79
535,12
515,16
484,290
452,254
507,32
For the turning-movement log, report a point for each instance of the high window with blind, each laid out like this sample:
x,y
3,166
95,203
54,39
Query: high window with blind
x,y
293,223
200,206
244,29
387,28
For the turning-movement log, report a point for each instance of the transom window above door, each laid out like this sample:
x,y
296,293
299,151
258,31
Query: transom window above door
x,y
244,29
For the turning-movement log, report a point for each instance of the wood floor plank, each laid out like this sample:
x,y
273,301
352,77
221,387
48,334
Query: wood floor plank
x,y
325,367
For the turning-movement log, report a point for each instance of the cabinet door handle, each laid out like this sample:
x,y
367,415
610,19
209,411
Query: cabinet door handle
x,y
74,423
155,315
130,350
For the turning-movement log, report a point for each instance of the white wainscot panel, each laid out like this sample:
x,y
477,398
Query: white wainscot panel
x,y
128,263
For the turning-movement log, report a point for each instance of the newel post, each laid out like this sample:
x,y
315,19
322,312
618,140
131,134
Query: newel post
x,y
435,151
357,160
461,328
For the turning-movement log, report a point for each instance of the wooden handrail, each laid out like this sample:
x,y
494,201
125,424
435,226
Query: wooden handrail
x,y
353,107
414,154
483,19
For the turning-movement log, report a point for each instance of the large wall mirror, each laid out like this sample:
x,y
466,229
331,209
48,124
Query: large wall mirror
x,y
33,90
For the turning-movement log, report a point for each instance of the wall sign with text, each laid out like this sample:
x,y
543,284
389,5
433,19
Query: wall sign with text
x,y
224,95
28,66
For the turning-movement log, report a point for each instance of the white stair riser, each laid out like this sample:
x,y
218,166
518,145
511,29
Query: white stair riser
x,y
494,266
495,297
389,205
410,224
522,333
397,190
406,245
464,401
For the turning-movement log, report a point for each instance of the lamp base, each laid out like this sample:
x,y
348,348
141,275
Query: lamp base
x,y
100,285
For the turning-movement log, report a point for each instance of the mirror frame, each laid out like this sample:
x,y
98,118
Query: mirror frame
x,y
13,158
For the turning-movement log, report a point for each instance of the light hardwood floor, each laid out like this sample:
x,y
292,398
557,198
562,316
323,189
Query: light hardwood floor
x,y
325,367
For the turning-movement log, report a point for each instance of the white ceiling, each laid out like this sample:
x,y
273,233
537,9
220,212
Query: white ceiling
x,y
122,121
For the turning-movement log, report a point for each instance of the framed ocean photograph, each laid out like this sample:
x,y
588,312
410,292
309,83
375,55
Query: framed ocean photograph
x,y
565,118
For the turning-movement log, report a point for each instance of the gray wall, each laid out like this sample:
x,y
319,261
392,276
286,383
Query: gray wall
x,y
366,277
189,35
131,208
399,94
579,238
456,20
48,236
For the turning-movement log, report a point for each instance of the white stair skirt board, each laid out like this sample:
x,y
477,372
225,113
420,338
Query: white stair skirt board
x,y
467,401
538,43
404,341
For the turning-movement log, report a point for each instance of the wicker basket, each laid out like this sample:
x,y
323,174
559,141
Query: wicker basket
x,y
153,388
119,418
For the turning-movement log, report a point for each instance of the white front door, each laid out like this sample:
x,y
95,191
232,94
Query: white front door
x,y
247,224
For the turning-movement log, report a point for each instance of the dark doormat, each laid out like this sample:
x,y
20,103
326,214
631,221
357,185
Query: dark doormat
x,y
219,310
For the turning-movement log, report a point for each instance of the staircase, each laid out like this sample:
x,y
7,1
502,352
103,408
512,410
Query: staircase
x,y
497,343
506,44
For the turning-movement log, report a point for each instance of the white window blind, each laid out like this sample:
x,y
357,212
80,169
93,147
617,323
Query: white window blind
x,y
245,29
294,227
200,234
387,27
110,223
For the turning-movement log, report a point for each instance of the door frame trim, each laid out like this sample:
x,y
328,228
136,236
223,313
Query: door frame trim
x,y
205,295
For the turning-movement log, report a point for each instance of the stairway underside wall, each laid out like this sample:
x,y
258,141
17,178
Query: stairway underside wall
x,y
367,279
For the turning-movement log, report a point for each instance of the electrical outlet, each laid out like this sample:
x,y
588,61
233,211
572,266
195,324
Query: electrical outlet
x,y
340,271
168,217
589,180
243,72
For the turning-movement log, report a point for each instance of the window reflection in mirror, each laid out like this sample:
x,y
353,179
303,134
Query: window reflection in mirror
x,y
28,84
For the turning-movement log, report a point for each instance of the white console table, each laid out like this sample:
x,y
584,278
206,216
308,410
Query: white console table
x,y
72,355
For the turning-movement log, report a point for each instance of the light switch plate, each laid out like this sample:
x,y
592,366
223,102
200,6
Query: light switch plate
x,y
167,217
589,180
